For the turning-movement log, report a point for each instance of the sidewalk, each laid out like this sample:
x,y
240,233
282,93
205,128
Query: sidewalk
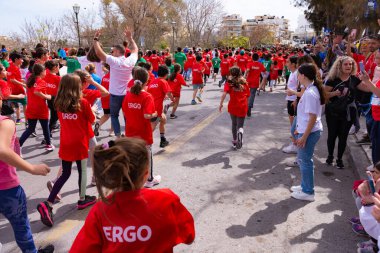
x,y
359,155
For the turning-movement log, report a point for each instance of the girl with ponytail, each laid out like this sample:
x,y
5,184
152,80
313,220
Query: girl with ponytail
x,y
147,219
138,108
176,81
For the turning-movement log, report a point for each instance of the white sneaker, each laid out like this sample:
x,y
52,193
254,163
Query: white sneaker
x,y
296,188
302,196
293,163
156,180
291,149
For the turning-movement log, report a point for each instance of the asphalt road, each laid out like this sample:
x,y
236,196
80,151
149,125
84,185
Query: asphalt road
x,y
240,200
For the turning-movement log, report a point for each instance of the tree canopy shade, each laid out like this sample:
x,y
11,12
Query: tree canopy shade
x,y
338,14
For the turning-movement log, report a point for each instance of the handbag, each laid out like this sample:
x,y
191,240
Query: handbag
x,y
6,109
338,107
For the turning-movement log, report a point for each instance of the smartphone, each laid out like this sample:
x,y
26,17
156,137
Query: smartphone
x,y
362,68
371,183
353,33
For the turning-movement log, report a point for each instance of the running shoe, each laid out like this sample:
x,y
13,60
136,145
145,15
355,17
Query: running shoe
x,y
18,121
150,183
291,149
111,134
359,229
330,160
199,98
49,147
354,220
239,143
172,116
50,186
43,142
339,164
166,108
249,113
46,213
193,102
47,249
302,196
96,129
163,143
88,201
296,188
366,244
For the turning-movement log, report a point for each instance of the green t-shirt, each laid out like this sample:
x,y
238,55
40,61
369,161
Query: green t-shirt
x,y
171,69
180,58
287,71
140,60
216,62
5,63
72,65
267,64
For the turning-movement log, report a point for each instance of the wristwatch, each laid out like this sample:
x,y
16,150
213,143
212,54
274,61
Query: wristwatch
x,y
96,39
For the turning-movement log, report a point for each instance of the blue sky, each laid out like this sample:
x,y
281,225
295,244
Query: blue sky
x,y
14,12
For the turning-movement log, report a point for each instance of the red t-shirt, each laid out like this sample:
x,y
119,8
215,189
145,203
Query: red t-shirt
x,y
151,78
5,90
13,72
91,95
197,72
208,66
136,221
106,84
238,104
274,72
241,62
127,51
134,107
74,136
155,60
232,61
255,68
280,62
189,62
37,107
370,65
376,105
225,67
176,85
52,83
159,88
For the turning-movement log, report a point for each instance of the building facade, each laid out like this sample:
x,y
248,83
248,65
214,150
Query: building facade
x,y
232,25
278,26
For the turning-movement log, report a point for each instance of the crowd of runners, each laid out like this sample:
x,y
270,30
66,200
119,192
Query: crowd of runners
x,y
74,92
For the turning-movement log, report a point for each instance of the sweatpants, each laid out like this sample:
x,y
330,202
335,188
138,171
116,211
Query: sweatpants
x,y
237,122
32,127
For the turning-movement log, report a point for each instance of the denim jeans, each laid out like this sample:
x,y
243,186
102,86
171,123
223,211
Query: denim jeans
x,y
375,140
252,97
305,161
115,105
187,74
293,127
13,207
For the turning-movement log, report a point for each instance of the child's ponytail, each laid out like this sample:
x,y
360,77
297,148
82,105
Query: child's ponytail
x,y
141,76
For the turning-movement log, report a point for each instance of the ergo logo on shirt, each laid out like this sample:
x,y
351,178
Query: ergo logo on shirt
x,y
129,234
155,85
134,106
73,116
50,85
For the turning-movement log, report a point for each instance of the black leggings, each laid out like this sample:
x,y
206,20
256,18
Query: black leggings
x,y
32,127
66,172
53,114
237,122
337,127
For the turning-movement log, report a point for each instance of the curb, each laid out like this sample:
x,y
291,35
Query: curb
x,y
358,157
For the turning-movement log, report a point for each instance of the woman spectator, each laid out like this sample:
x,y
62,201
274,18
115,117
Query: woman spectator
x,y
341,111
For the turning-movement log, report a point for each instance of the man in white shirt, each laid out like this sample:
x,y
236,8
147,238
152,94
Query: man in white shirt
x,y
121,73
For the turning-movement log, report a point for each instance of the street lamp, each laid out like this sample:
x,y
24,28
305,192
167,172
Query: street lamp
x,y
76,9
173,26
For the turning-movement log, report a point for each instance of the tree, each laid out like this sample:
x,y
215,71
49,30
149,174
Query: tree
x,y
235,41
261,34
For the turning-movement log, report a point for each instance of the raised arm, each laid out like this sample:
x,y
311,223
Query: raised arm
x,y
131,42
98,49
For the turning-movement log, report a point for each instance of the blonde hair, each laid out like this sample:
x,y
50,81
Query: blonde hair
x,y
90,68
336,69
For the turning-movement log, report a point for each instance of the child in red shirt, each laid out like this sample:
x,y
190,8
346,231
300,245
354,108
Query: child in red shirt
x,y
273,75
224,69
176,81
198,70
131,218
238,89
159,89
74,145
37,109
139,108
52,83
208,66
254,71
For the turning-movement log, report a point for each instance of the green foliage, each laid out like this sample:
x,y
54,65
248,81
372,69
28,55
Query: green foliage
x,y
235,41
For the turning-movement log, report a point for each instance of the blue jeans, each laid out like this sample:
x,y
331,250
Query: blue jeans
x,y
32,123
13,207
293,128
252,97
115,105
375,140
305,161
187,74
